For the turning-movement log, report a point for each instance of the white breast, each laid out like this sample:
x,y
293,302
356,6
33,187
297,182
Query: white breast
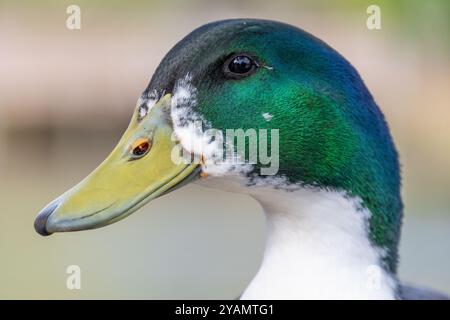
x,y
317,246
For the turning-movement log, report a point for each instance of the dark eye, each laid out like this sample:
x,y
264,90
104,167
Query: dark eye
x,y
140,147
239,66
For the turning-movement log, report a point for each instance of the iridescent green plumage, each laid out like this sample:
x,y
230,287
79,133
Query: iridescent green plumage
x,y
332,134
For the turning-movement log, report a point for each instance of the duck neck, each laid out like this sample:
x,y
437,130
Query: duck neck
x,y
317,247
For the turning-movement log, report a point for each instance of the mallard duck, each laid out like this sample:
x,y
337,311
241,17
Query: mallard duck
x,y
326,170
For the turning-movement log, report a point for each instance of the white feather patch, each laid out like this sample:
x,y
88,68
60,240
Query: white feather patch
x,y
318,247
267,116
194,133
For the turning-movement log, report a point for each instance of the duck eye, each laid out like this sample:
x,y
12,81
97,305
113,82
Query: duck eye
x,y
239,66
140,147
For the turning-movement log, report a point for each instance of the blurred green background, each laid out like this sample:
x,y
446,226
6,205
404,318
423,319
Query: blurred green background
x,y
66,97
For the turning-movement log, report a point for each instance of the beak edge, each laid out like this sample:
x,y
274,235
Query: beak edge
x,y
40,224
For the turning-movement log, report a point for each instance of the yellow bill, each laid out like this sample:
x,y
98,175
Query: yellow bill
x,y
140,168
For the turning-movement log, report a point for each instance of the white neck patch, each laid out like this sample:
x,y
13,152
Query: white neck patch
x,y
317,248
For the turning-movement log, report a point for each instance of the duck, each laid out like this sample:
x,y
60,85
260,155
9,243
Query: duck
x,y
266,109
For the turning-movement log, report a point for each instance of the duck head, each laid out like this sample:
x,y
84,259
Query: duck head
x,y
317,122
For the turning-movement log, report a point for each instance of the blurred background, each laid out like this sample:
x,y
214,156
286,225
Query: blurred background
x,y
67,95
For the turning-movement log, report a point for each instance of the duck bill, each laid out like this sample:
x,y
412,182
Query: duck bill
x,y
141,167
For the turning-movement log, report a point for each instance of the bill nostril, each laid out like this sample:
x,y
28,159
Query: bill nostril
x,y
41,220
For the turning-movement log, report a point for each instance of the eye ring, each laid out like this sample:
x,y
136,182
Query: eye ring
x,y
140,148
239,66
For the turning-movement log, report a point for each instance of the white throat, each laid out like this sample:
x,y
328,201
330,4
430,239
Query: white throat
x,y
317,248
